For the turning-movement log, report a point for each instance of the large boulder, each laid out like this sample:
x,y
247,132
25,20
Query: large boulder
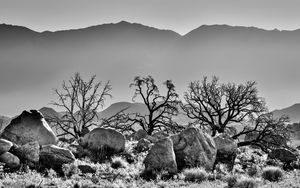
x,y
284,155
11,161
28,153
226,149
28,127
100,139
160,157
194,148
52,156
5,145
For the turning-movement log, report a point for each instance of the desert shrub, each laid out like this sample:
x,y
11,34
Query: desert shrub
x,y
195,174
295,164
253,170
272,173
50,173
274,162
118,162
70,169
234,181
246,182
148,175
231,180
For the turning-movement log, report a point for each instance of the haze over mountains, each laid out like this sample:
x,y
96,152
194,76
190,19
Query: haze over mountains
x,y
33,63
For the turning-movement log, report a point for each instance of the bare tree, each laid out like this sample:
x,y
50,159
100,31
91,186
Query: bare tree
x,y
266,132
216,105
160,108
80,100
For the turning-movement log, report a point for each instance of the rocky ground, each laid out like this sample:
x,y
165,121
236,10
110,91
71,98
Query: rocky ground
x,y
32,156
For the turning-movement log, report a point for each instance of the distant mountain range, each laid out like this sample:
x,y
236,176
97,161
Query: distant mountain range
x,y
119,51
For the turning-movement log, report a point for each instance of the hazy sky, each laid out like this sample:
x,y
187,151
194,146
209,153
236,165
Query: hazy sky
x,y
178,15
181,16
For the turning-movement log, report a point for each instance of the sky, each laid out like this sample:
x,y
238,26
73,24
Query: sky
x,y
180,16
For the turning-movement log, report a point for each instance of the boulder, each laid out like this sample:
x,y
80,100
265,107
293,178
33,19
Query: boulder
x,y
28,127
161,157
11,161
140,134
284,155
52,156
194,148
160,135
152,139
226,149
28,153
5,145
143,145
100,139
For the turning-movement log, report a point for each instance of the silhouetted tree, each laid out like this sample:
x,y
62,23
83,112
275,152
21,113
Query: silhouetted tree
x,y
80,100
216,105
160,108
266,132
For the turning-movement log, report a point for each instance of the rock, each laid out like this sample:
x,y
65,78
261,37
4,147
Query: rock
x,y
283,154
140,134
194,148
86,169
5,145
226,149
160,135
28,153
11,161
28,127
161,157
100,139
152,139
54,157
143,145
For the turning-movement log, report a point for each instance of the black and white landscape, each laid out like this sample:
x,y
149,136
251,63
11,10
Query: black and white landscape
x,y
149,93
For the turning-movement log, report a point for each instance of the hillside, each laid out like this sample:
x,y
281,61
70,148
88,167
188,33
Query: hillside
x,y
292,111
39,61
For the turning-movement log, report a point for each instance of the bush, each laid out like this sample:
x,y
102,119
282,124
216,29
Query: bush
x,y
70,169
195,174
231,181
118,162
272,173
247,183
253,170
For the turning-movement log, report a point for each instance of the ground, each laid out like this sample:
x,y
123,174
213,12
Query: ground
x,y
129,175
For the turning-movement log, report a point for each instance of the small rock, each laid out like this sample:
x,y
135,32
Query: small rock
x,y
54,157
11,161
5,145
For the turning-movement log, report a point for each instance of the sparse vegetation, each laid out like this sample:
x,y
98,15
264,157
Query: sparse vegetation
x,y
272,173
195,174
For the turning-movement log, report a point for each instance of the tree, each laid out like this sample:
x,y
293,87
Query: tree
x,y
160,108
266,132
216,105
80,100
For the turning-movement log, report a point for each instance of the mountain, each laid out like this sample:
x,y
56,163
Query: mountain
x,y
49,112
39,61
292,111
4,121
